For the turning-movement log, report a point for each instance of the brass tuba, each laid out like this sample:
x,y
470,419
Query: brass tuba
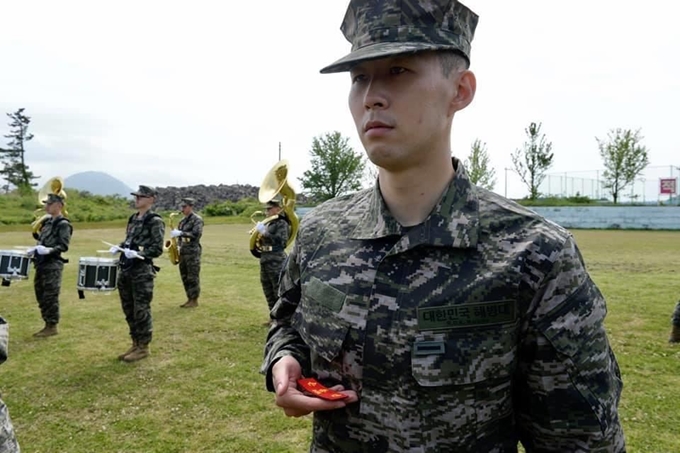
x,y
171,244
275,183
56,186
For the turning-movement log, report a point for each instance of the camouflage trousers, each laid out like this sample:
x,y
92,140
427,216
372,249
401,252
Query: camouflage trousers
x,y
8,440
676,315
190,269
270,271
47,285
135,287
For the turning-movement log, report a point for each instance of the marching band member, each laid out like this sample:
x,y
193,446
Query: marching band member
x,y
188,234
53,240
143,242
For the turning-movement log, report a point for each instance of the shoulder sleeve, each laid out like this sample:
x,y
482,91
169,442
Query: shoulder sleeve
x,y
283,339
155,247
569,384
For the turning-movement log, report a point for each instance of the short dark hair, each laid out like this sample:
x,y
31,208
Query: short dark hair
x,y
452,60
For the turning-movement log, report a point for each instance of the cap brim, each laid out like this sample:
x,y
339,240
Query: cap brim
x,y
379,50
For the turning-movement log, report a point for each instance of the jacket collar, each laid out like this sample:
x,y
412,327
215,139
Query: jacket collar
x,y
453,222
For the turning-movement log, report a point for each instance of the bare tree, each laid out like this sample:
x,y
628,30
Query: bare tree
x,y
534,160
624,159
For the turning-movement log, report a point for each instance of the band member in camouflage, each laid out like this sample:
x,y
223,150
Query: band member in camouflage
x,y
675,325
452,318
53,240
8,440
143,243
188,234
274,238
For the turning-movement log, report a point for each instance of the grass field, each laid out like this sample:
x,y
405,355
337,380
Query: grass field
x,y
200,390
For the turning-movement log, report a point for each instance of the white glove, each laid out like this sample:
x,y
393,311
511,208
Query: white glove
x,y
261,227
131,254
175,233
30,250
113,250
42,250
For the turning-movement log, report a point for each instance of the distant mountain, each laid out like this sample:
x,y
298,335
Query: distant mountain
x,y
97,183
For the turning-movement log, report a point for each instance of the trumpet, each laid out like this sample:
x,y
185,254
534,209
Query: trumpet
x,y
171,244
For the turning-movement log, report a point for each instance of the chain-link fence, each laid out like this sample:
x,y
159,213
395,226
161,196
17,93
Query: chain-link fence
x,y
646,189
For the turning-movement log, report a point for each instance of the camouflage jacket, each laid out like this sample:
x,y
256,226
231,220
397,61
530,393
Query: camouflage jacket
x,y
144,234
55,233
192,230
470,332
274,241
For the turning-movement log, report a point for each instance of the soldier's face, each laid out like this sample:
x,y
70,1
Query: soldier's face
x,y
143,202
403,106
52,208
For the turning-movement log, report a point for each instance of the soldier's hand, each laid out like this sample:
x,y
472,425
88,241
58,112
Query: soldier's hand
x,y
260,227
42,250
175,233
294,403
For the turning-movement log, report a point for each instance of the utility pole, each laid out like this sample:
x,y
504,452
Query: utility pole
x,y
279,150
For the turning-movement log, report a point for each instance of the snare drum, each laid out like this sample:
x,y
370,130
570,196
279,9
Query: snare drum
x,y
97,274
14,265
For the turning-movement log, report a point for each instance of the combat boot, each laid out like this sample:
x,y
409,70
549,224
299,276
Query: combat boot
x,y
141,352
675,335
191,303
184,304
49,330
132,348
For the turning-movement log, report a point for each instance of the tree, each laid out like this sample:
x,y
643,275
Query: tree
x,y
15,171
336,168
624,159
479,167
534,160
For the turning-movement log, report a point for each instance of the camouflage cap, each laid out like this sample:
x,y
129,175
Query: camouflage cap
x,y
145,191
273,204
187,201
54,198
382,28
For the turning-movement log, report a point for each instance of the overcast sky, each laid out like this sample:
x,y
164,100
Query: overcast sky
x,y
182,93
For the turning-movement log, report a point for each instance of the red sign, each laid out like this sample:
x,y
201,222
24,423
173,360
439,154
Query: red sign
x,y
668,186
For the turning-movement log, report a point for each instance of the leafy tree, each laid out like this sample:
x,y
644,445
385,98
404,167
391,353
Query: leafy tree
x,y
532,162
624,159
479,167
15,171
336,168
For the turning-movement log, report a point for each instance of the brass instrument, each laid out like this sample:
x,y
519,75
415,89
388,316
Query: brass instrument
x,y
275,183
171,244
56,186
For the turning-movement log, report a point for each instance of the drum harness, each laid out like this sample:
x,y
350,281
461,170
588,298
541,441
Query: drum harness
x,y
125,263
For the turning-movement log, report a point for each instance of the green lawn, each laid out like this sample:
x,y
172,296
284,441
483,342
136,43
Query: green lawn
x,y
200,390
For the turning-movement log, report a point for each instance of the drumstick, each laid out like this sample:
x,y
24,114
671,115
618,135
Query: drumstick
x,y
120,249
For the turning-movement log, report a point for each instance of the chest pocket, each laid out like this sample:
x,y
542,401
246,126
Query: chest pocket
x,y
464,377
317,321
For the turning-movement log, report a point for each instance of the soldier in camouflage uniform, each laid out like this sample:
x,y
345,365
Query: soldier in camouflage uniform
x,y
53,240
8,440
143,243
451,318
675,321
275,235
188,234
